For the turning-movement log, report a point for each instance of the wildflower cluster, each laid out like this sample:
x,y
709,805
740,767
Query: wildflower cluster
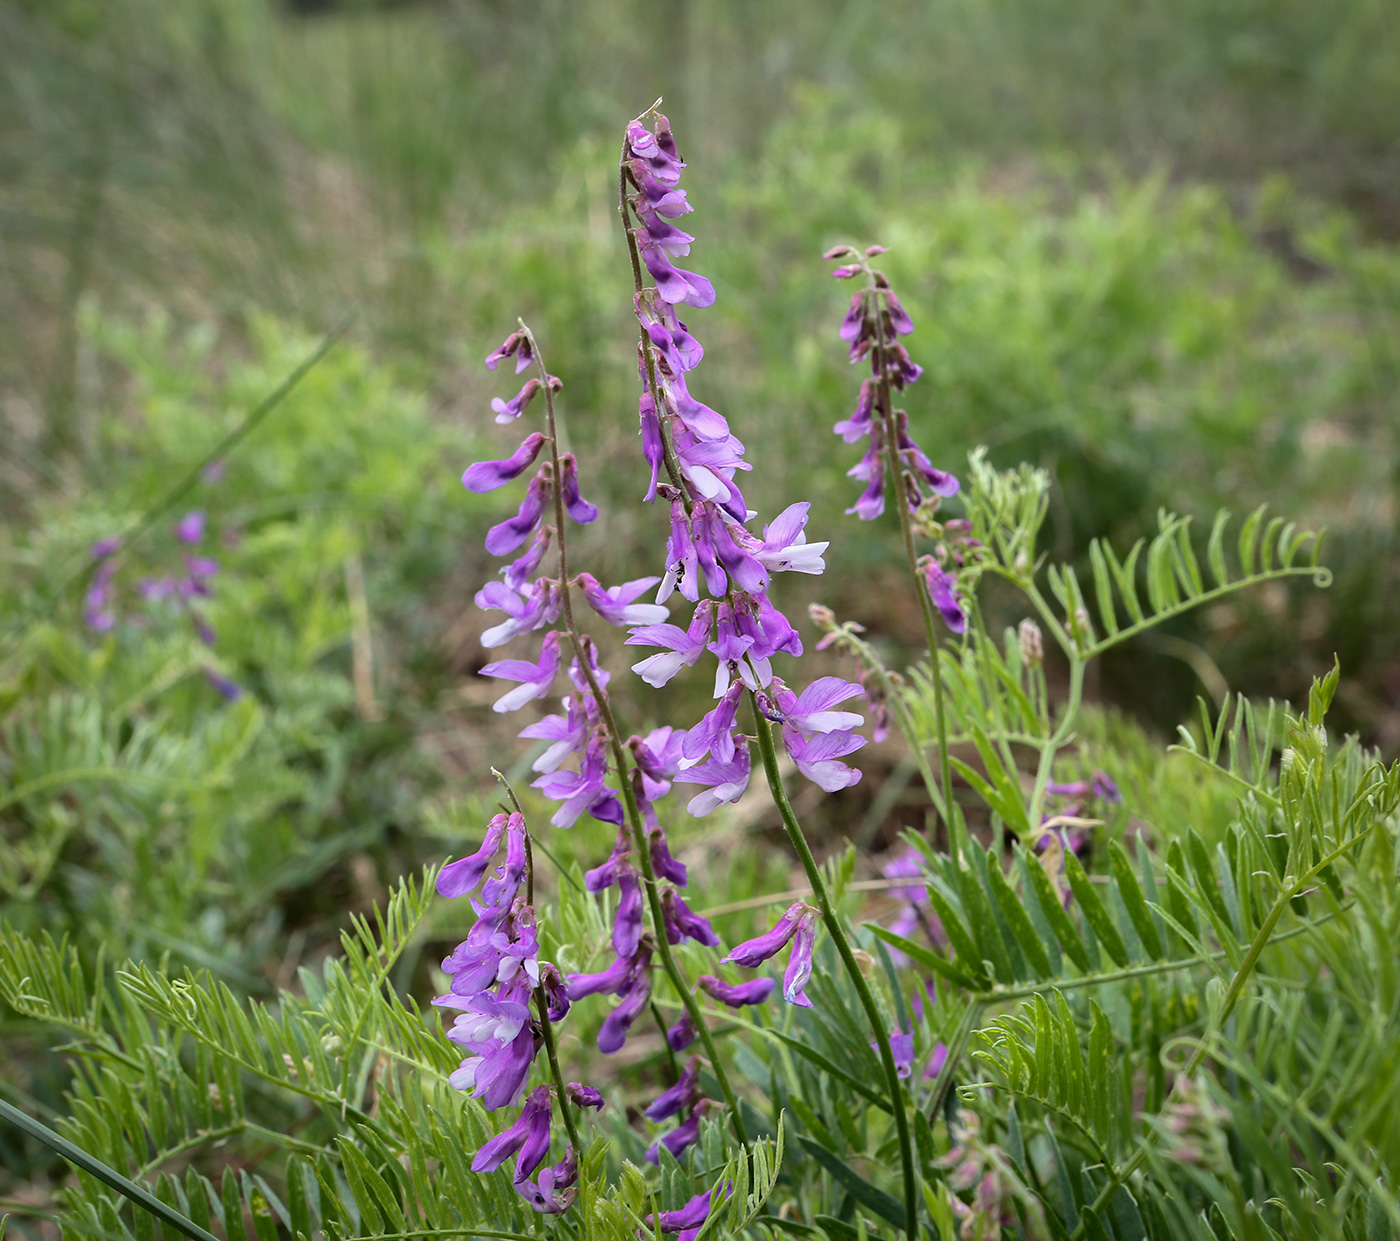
x,y
184,590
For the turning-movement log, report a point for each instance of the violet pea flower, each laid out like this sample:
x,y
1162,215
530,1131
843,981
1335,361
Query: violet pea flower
x,y
555,1191
898,316
854,322
715,733
509,411
615,605
810,711
516,345
486,476
680,1138
536,680
604,876
725,782
679,1097
524,612
579,509
937,1059
684,648
105,547
662,862
682,1034
231,690
687,1219
942,589
568,733
500,889
682,922
737,995
653,446
901,1049
518,572
785,548
675,284
499,1077
799,968
754,952
817,757
613,1033
682,559
529,1135
613,980
460,877
556,993
859,423
584,1096
627,924
506,536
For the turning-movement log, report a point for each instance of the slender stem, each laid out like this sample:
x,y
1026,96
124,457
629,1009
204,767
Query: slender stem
x,y
906,526
843,948
620,765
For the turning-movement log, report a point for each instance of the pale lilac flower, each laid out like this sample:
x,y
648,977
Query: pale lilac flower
x,y
536,680
615,604
785,548
662,862
605,876
555,1191
582,790
684,646
509,411
859,423
653,446
816,757
486,476
714,734
902,1049
736,995
938,1057
811,711
675,284
524,612
725,782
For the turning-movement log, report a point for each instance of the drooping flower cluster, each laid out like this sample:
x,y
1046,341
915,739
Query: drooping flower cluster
x,y
710,545
183,590
872,328
494,973
979,1165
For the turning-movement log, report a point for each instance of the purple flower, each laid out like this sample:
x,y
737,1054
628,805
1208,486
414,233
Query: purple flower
x,y
613,1033
492,953
229,689
615,604
555,1191
683,923
569,734
486,476
816,757
511,533
1104,786
675,284
810,711
460,877
498,1077
684,646
942,589
524,612
715,733
688,1219
499,891
653,446
725,782
582,790
902,1049
584,1096
516,345
105,547
736,995
536,680
518,572
614,980
682,559
556,992
937,1059
662,862
509,411
190,528
681,1137
96,613
785,548
859,423
600,878
529,1136
627,924
682,1034
754,952
578,509
683,1095
799,968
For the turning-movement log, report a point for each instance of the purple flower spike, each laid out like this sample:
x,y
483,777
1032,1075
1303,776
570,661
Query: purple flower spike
x,y
523,1136
536,680
460,877
190,528
684,923
486,476
737,995
578,509
942,589
799,968
754,952
510,534
725,782
584,1096
615,604
679,1097
509,411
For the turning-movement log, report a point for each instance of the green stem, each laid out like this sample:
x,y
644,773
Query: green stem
x,y
838,937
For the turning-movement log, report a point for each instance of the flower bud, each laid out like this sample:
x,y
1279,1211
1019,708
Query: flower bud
x,y
1028,636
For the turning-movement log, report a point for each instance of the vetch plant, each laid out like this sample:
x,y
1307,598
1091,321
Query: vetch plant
x,y
1124,994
